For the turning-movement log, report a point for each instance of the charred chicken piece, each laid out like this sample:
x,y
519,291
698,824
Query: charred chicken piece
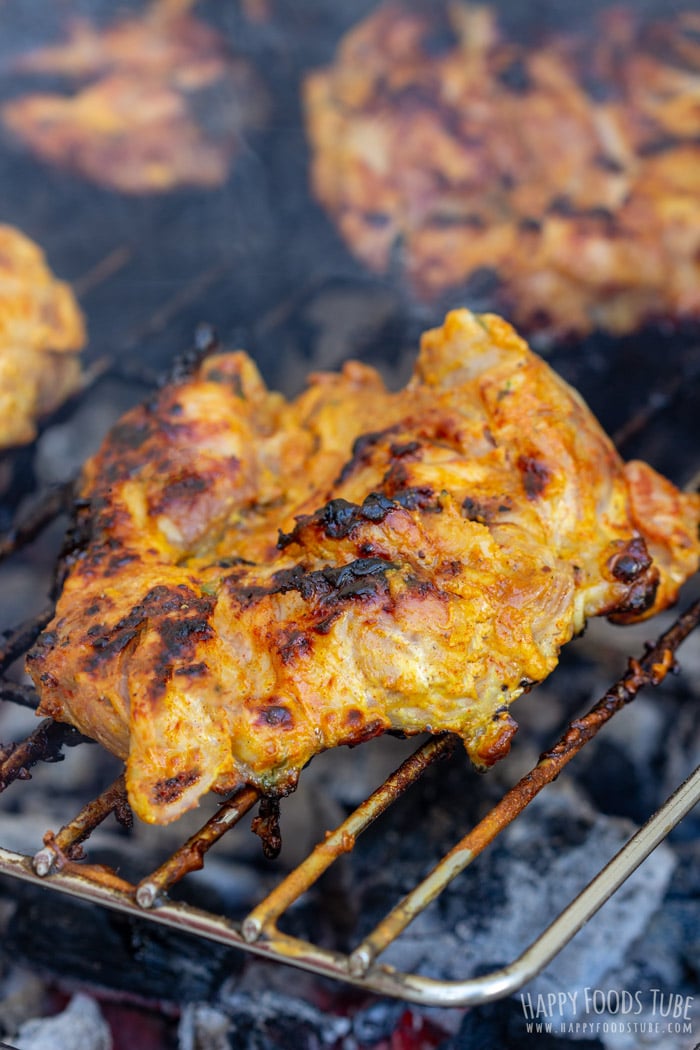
x,y
557,181
157,102
259,580
41,332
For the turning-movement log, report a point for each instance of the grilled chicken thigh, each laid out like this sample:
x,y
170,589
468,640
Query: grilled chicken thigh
x,y
254,580
154,102
560,178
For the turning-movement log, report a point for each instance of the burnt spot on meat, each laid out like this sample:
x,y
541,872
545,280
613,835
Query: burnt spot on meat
x,y
178,634
323,626
497,744
639,598
129,436
396,484
361,587
339,517
364,732
408,448
294,644
117,563
396,477
362,451
245,595
192,670
353,716
516,77
376,507
181,489
421,587
178,640
276,715
535,475
362,578
169,789
484,511
418,497
630,561
81,531
110,643
266,825
46,640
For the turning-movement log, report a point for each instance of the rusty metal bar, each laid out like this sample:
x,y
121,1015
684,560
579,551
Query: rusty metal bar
x,y
190,856
55,501
103,270
43,745
17,641
22,695
651,669
342,840
66,844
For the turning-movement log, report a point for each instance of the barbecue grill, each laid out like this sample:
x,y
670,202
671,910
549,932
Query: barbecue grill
x,y
149,271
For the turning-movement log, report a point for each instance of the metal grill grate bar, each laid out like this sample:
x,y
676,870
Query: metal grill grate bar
x,y
342,840
190,857
379,979
66,844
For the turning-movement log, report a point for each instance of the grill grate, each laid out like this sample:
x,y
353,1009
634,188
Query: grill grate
x,y
57,865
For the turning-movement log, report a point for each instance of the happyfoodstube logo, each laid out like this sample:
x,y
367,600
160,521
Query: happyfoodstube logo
x,y
595,1011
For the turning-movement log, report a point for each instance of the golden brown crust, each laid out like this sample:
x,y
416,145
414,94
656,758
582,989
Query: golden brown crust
x,y
41,332
564,174
258,580
158,103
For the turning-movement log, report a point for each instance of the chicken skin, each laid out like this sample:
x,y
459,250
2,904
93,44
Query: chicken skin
x,y
254,580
